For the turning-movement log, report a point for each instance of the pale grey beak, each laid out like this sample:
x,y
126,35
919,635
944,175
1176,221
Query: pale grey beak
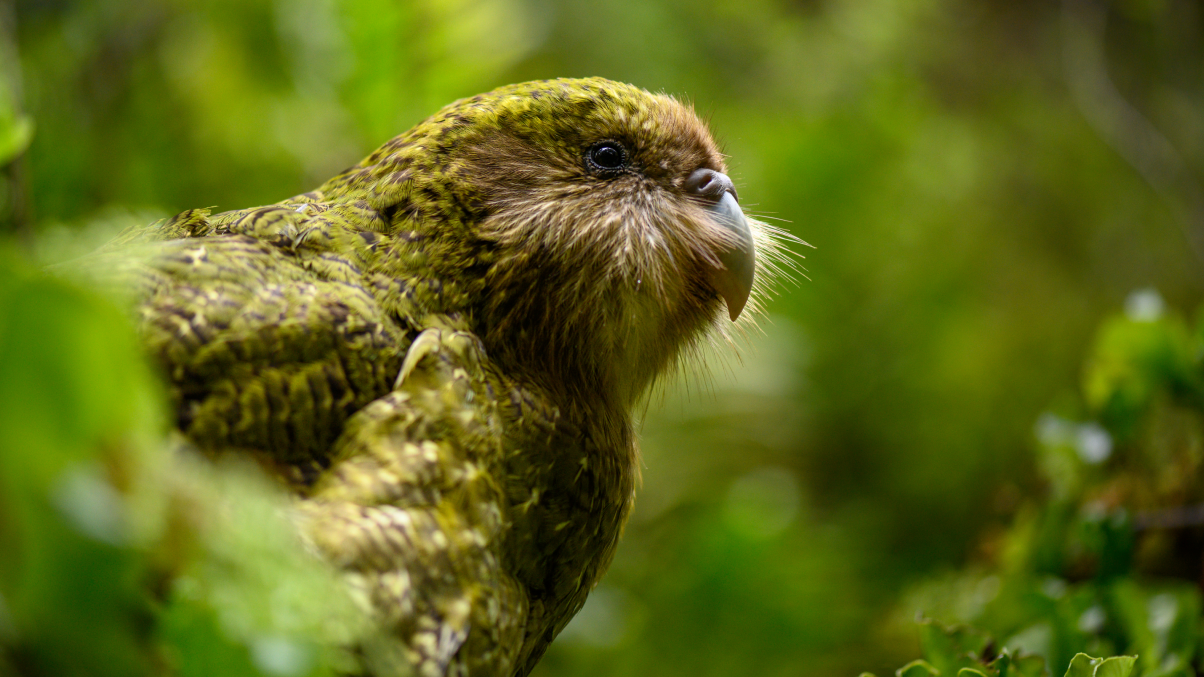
x,y
734,281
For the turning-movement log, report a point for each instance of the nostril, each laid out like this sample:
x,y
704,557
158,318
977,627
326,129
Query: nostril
x,y
709,183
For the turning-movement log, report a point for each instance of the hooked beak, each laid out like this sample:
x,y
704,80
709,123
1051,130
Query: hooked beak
x,y
734,280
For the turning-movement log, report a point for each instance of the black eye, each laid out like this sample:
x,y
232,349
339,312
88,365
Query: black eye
x,y
607,156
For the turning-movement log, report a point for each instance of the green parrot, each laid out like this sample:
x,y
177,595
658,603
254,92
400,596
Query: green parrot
x,y
439,350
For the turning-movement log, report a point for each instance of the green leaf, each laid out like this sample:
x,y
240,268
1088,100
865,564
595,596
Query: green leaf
x,y
1001,666
949,649
948,642
77,417
1174,671
1032,665
1116,666
1182,633
197,645
15,135
1007,665
1081,665
1131,362
917,668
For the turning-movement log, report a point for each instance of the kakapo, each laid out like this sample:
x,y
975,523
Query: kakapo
x,y
438,351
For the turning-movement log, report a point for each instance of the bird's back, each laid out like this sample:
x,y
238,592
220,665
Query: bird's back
x,y
268,347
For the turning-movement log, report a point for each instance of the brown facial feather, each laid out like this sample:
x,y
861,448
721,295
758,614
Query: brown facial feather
x,y
596,279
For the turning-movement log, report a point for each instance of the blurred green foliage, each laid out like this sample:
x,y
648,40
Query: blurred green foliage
x,y
1108,560
122,557
963,652
921,428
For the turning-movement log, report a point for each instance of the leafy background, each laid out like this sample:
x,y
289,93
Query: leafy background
x,y
983,404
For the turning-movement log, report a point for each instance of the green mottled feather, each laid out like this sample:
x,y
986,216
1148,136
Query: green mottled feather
x,y
438,351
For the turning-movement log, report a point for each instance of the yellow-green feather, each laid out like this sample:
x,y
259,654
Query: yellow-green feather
x,y
474,501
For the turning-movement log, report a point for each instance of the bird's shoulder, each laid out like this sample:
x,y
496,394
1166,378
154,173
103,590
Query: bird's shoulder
x,y
269,324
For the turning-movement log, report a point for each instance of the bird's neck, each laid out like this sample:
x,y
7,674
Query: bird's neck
x,y
586,337
574,327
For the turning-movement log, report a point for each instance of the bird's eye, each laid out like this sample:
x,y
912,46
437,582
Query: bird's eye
x,y
607,156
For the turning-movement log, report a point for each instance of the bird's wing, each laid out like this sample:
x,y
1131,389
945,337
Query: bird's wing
x,y
412,511
268,343
392,438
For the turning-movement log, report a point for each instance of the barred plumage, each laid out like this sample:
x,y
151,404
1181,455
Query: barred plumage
x,y
438,350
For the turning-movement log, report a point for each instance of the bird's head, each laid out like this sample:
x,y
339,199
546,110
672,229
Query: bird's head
x,y
614,238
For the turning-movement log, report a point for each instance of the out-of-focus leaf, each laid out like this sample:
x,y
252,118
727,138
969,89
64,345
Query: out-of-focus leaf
x,y
917,668
15,134
1181,635
1132,361
1007,665
950,649
1030,665
250,584
95,508
78,414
